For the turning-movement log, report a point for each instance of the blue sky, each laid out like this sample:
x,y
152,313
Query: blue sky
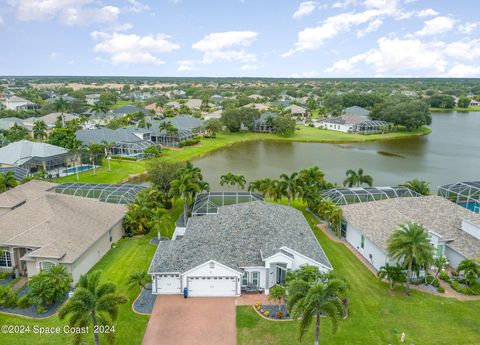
x,y
271,38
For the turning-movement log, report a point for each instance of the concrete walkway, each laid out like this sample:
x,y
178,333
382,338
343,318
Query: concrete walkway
x,y
199,321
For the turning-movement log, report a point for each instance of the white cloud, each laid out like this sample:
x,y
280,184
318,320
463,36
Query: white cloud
x,y
226,46
133,49
468,27
437,25
304,9
428,12
395,56
468,50
249,67
467,71
70,12
54,55
185,65
372,26
136,6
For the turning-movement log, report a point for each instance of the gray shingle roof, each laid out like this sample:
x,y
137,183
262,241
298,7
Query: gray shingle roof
x,y
120,135
22,151
237,237
377,220
127,109
181,122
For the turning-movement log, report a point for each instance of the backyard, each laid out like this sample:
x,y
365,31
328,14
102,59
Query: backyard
x,y
377,315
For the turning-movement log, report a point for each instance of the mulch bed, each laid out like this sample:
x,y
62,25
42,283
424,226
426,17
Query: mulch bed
x,y
145,301
6,281
272,311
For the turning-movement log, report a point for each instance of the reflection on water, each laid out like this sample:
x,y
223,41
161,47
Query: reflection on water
x,y
450,153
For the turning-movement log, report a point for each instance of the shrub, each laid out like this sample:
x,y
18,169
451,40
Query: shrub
x,y
4,275
440,289
24,302
41,309
266,313
280,314
431,281
8,298
188,142
444,276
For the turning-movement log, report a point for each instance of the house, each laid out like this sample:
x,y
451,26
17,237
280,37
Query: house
x,y
173,104
125,142
355,111
217,99
194,103
186,125
249,246
353,123
214,115
49,119
280,103
42,229
65,97
265,122
158,110
258,106
92,98
35,156
126,109
297,111
18,104
255,97
474,103
453,230
8,122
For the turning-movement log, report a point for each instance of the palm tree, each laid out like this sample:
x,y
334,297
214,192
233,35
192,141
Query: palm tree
x,y
410,244
312,302
470,270
93,151
92,304
140,279
61,106
232,180
137,220
144,124
169,128
39,130
393,273
357,178
108,152
99,108
185,187
289,186
418,186
441,263
161,222
7,181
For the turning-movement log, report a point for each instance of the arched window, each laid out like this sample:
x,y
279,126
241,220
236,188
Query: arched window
x,y
46,265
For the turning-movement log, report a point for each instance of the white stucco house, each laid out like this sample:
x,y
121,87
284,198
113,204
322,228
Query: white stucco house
x,y
247,247
18,104
453,230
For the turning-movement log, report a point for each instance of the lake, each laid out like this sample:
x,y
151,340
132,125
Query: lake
x,y
449,154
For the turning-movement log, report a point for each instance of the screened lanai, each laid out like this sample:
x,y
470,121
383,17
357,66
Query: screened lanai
x,y
346,196
111,193
207,203
371,127
466,194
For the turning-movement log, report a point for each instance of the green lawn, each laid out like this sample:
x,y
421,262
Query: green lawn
x,y
378,316
130,255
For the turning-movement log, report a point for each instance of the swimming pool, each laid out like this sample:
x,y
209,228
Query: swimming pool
x,y
473,206
81,168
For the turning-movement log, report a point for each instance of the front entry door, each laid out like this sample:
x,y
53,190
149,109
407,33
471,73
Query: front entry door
x,y
281,273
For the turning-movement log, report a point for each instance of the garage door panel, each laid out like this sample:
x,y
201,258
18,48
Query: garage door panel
x,y
212,286
168,284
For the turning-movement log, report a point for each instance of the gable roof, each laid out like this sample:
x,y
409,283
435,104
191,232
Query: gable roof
x,y
377,220
237,236
22,151
120,135
356,110
55,225
127,109
346,120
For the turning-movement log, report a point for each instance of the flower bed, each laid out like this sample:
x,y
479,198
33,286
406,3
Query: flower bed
x,y
274,312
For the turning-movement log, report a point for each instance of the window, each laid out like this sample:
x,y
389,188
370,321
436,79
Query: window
x,y
110,235
245,279
46,265
362,243
212,265
5,259
255,278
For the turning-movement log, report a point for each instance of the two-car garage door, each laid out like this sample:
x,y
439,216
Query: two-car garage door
x,y
212,286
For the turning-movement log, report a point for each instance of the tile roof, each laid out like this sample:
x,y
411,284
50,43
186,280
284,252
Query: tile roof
x,y
237,236
377,220
57,225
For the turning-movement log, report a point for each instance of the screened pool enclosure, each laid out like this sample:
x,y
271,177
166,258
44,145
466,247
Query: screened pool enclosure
x,y
465,194
111,193
347,196
208,203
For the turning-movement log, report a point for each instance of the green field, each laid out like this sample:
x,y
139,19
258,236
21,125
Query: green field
x,y
122,169
130,255
377,315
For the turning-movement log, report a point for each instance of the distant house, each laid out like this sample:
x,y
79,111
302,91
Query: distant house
x,y
18,104
155,108
297,111
217,98
35,156
215,115
126,142
9,122
355,111
172,104
42,229
194,103
49,119
66,98
187,126
126,109
92,98
474,103
280,103
264,123
258,106
353,123
255,96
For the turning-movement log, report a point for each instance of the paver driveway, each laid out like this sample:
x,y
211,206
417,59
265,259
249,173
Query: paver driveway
x,y
192,321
